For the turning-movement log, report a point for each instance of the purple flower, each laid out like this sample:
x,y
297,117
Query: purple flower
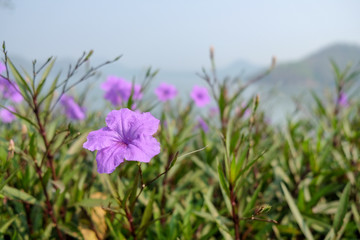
x,y
72,109
128,136
165,92
2,67
203,125
343,100
200,96
117,90
213,111
9,90
6,116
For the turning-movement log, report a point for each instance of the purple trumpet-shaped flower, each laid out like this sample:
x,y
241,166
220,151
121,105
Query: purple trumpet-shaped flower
x,y
343,100
203,125
72,109
166,92
117,90
200,96
6,116
9,90
128,136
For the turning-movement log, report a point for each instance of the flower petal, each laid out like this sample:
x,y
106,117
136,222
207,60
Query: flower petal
x,y
142,149
130,125
102,138
109,158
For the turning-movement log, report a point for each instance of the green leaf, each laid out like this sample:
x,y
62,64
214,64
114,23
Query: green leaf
x,y
189,153
133,193
145,220
50,94
320,105
12,175
7,224
14,193
342,208
44,77
223,182
33,146
173,161
94,202
250,205
23,85
296,213
220,222
20,116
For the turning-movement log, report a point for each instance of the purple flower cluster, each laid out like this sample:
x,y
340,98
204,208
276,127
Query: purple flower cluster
x,y
128,136
72,109
118,90
166,92
200,96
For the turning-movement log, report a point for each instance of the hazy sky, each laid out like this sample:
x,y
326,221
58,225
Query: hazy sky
x,y
176,34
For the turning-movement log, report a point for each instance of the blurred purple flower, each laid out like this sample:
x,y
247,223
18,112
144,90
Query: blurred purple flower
x,y
128,136
213,111
118,90
6,116
343,100
240,111
203,125
9,90
200,96
166,92
2,67
72,109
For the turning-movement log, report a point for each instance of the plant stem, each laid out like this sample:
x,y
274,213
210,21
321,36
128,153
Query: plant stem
x,y
234,213
42,131
131,222
164,183
49,206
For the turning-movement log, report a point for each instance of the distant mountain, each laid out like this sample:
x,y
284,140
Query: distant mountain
x,y
314,72
296,79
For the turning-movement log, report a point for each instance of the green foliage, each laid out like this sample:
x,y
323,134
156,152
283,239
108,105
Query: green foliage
x,y
244,179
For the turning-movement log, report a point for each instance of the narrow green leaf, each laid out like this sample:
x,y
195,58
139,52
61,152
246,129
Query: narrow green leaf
x,y
94,202
356,215
173,161
44,77
296,213
14,193
189,153
320,105
223,182
50,94
33,146
12,175
342,208
145,220
23,85
133,192
20,116
7,224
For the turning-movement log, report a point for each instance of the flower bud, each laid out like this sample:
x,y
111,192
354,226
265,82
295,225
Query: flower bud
x,y
11,149
273,62
211,52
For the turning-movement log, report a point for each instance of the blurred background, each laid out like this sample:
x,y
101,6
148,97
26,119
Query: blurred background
x,y
175,36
